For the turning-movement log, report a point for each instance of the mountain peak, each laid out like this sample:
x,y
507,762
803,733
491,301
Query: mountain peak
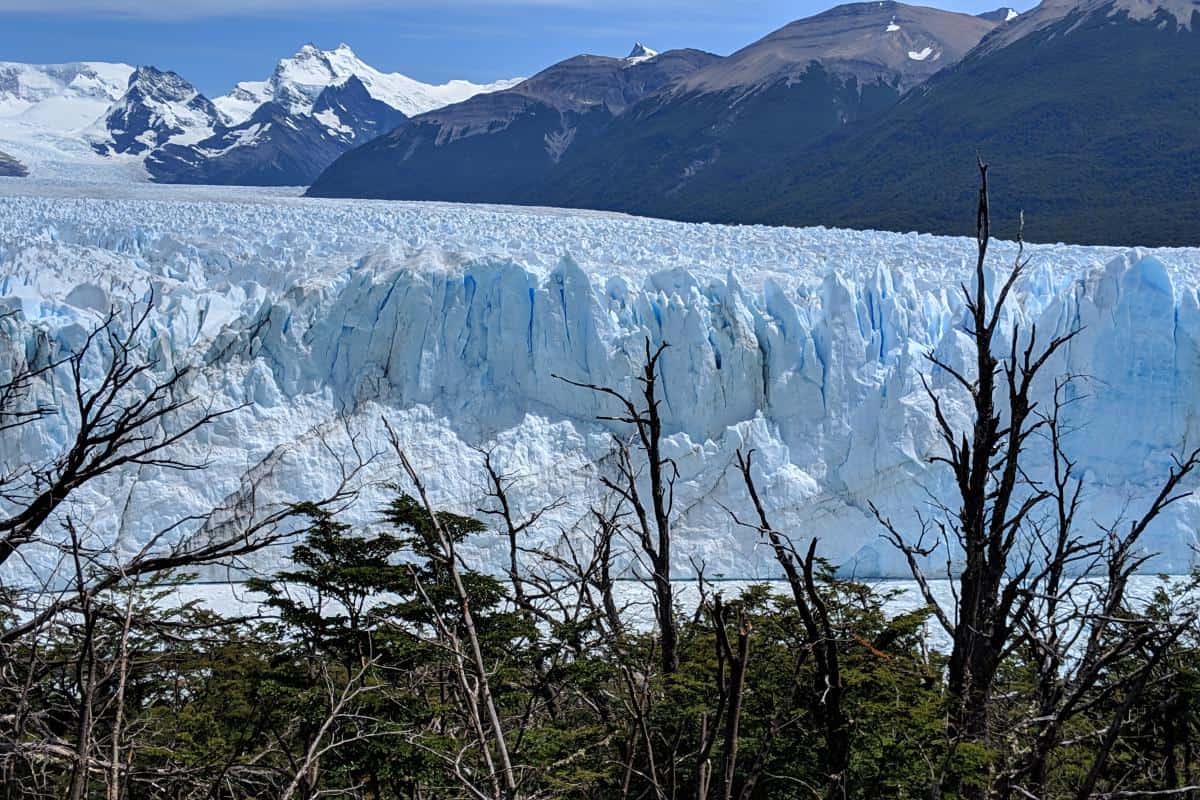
x,y
152,78
159,106
640,53
898,44
1051,12
1000,15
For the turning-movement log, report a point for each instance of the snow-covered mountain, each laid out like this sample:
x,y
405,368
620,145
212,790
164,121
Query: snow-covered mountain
x,y
315,106
317,318
117,122
641,53
298,81
48,114
280,144
60,96
158,107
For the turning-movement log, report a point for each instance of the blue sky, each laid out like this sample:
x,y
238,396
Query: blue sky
x,y
215,43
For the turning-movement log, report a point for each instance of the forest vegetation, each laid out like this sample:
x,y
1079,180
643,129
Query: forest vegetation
x,y
382,665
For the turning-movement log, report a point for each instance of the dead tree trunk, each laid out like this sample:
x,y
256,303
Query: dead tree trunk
x,y
85,677
118,725
994,496
653,527
827,697
738,659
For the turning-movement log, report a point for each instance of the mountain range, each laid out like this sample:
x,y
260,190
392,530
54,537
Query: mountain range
x,y
505,145
747,112
95,118
868,115
708,121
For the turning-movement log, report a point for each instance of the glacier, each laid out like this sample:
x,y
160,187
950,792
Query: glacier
x,y
320,319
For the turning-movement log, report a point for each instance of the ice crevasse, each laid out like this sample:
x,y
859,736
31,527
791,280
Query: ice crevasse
x,y
815,363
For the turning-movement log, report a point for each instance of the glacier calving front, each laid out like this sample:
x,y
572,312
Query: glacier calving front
x,y
451,321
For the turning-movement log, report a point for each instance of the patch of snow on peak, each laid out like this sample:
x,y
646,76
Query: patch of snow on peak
x,y
239,104
333,122
298,81
920,55
892,26
1011,15
640,53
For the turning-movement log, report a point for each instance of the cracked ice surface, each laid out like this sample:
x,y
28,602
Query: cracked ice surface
x,y
324,317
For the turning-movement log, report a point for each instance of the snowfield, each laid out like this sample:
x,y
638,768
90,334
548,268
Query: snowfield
x,y
325,317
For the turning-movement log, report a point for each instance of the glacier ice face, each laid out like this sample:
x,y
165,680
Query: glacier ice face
x,y
325,317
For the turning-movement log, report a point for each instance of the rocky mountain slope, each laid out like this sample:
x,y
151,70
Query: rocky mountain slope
x,y
10,167
1086,109
496,147
751,111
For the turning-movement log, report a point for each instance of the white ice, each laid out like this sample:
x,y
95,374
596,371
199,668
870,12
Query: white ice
x,y
450,321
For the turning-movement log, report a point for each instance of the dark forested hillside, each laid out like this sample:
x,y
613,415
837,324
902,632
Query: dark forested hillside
x,y
1094,120
502,146
1092,108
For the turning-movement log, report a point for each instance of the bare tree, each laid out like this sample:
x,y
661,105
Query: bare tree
x,y
129,416
116,753
499,486
1023,567
819,637
995,497
736,659
86,677
1079,623
652,527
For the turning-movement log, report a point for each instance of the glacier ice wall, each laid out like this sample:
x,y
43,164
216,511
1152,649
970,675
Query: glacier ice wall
x,y
452,323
